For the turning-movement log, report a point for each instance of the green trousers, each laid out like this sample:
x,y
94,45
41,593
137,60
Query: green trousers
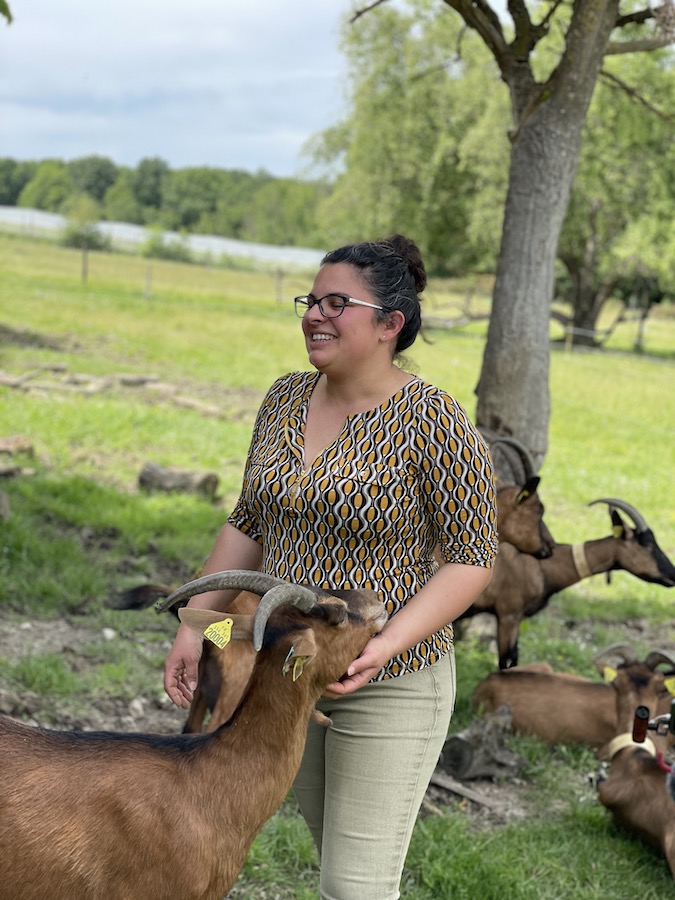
x,y
362,781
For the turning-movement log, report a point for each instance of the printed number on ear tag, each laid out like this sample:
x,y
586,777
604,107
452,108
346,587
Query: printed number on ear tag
x,y
220,633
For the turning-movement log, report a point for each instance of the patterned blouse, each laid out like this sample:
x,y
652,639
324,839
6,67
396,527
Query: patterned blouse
x,y
368,512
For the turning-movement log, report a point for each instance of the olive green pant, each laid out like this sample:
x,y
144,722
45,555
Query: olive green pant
x,y
362,781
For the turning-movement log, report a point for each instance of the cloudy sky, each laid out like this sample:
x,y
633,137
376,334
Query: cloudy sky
x,y
226,83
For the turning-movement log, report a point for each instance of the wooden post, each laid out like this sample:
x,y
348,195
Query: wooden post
x,y
147,290
569,337
85,261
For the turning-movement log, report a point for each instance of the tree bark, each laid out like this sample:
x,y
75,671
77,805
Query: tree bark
x,y
513,389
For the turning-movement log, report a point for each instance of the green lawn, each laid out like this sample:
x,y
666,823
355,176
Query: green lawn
x,y
110,377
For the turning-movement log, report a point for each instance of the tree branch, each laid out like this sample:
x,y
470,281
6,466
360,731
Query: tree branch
x,y
480,16
643,46
635,18
366,9
634,94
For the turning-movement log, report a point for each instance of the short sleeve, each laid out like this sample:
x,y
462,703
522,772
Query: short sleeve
x,y
457,483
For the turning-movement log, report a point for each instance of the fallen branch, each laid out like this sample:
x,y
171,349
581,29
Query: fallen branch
x,y
440,779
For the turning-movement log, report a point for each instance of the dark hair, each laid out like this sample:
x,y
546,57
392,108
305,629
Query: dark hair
x,y
393,271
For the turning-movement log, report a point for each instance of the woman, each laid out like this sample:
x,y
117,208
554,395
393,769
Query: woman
x,y
356,473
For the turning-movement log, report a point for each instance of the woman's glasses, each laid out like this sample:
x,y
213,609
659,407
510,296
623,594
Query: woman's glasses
x,y
331,306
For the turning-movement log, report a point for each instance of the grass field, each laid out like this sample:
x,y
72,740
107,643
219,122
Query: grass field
x,y
168,365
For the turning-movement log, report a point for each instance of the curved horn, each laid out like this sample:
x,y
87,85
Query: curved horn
x,y
283,594
523,452
234,579
659,658
638,521
625,651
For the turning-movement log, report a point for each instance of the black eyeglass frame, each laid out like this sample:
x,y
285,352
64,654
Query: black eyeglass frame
x,y
308,301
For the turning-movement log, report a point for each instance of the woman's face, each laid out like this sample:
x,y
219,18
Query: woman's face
x,y
351,339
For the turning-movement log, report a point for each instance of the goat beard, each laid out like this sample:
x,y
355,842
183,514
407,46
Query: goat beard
x,y
670,783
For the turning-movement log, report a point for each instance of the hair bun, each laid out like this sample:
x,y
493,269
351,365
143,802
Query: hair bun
x,y
410,252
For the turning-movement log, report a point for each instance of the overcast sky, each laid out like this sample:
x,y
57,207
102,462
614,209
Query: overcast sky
x,y
225,83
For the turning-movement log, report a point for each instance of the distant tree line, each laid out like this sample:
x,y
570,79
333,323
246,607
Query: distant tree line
x,y
423,149
203,200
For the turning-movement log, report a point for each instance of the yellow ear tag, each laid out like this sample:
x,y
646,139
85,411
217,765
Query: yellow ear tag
x,y
609,674
293,665
298,666
617,531
220,633
670,684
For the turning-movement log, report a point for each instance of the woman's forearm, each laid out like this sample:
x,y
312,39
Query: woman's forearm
x,y
443,599
232,550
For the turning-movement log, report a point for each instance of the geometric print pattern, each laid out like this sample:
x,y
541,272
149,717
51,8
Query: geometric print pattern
x,y
400,480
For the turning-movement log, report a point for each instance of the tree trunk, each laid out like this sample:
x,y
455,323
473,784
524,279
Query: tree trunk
x,y
587,299
513,389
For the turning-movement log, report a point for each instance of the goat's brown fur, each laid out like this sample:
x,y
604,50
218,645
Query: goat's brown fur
x,y
152,817
522,585
560,707
520,518
635,790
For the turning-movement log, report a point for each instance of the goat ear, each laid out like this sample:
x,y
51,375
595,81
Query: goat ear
x,y
528,489
618,526
303,650
334,609
669,684
218,627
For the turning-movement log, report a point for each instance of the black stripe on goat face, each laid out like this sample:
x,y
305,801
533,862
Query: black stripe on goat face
x,y
287,620
665,568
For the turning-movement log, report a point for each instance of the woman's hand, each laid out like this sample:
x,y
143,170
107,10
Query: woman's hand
x,y
182,667
374,655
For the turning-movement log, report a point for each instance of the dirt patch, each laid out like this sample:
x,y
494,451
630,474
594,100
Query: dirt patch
x,y
73,639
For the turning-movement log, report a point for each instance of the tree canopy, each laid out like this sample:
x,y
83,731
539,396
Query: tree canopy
x,y
549,56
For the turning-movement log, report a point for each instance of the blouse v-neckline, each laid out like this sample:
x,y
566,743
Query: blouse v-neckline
x,y
299,419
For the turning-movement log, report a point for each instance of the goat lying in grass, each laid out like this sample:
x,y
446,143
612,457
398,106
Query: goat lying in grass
x,y
88,816
636,790
521,585
563,708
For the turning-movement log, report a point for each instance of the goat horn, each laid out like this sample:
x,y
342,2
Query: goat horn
x,y
657,658
282,594
523,452
638,521
234,579
625,651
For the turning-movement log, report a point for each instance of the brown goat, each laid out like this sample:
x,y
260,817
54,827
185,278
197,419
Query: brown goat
x,y
520,511
635,790
563,708
520,519
155,817
521,585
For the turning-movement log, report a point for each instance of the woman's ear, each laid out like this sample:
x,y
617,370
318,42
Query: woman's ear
x,y
393,324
